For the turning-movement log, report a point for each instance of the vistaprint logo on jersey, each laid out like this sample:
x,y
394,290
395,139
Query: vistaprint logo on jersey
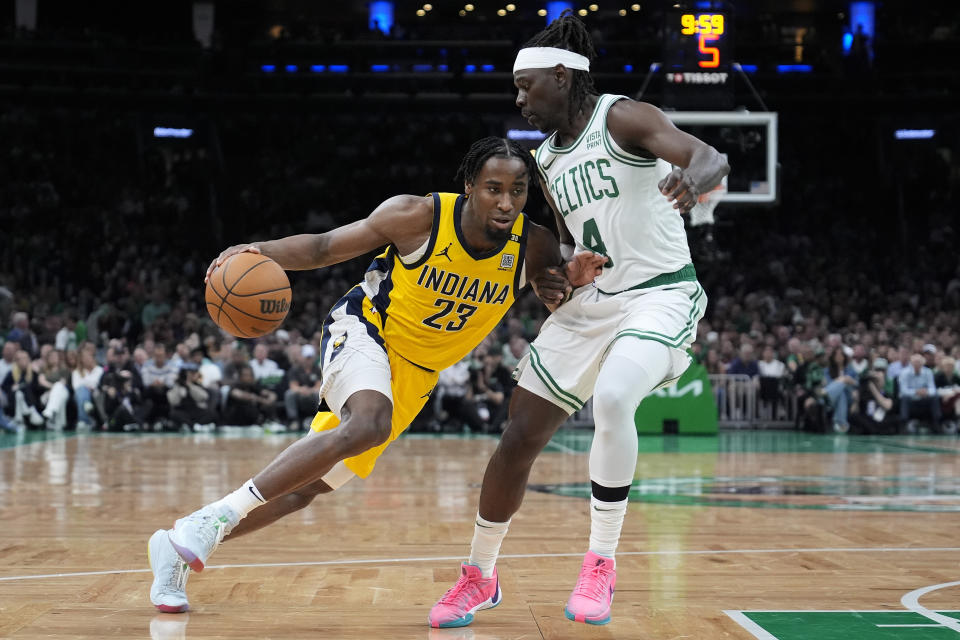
x,y
594,139
506,261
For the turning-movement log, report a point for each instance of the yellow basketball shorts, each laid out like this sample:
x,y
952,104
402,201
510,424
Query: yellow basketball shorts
x,y
355,358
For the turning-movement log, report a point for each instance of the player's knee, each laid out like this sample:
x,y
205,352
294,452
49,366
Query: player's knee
x,y
365,429
524,439
612,407
381,426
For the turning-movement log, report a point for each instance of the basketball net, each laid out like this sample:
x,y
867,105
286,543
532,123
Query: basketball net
x,y
702,212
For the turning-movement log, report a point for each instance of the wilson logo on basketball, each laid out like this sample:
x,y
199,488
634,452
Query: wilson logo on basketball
x,y
274,306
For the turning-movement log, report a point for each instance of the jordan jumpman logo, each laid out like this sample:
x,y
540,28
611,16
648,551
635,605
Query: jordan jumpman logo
x,y
444,252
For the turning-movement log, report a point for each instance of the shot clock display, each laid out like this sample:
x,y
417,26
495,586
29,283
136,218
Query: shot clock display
x,y
696,55
706,23
697,41
708,29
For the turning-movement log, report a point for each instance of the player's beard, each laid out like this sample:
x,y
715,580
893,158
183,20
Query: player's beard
x,y
495,235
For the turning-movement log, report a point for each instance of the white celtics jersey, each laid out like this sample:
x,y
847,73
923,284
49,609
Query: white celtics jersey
x,y
610,202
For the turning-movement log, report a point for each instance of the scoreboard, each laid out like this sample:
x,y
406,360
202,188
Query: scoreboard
x,y
697,65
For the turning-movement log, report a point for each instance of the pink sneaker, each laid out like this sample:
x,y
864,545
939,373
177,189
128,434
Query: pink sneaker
x,y
593,595
471,593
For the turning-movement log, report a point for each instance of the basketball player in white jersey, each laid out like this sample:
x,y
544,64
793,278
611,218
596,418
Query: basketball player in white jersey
x,y
618,339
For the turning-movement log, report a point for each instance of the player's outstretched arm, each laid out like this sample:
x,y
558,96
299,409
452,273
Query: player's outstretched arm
x,y
552,279
641,128
544,266
404,221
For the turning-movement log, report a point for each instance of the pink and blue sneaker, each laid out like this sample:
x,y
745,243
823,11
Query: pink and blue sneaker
x,y
592,597
470,594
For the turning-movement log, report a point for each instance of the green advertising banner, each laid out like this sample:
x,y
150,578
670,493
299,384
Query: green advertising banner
x,y
686,407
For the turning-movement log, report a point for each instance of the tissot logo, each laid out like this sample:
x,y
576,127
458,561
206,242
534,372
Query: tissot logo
x,y
268,305
692,77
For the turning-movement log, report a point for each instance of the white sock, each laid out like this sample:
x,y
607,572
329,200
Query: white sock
x,y
242,501
606,521
485,547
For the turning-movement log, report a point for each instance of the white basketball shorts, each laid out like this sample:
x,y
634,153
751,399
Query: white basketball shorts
x,y
565,359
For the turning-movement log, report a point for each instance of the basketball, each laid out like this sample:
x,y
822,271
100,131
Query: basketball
x,y
248,296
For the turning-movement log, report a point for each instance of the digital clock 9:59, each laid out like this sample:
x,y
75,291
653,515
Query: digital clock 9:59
x,y
708,28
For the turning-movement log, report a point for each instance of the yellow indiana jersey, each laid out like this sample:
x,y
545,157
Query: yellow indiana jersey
x,y
435,310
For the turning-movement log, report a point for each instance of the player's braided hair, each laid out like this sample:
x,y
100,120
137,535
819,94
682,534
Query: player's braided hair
x,y
485,148
568,32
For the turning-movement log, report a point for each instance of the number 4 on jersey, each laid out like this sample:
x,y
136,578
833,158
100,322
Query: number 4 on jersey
x,y
593,241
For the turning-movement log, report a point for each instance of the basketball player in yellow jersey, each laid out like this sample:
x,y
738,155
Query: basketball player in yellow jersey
x,y
452,267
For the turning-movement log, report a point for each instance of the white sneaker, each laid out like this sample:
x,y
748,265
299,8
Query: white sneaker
x,y
274,427
197,535
35,418
168,593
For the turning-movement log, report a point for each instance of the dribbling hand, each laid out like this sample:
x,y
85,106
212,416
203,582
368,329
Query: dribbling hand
x,y
679,189
226,253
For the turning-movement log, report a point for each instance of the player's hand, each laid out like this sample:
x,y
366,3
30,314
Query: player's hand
x,y
584,267
679,189
230,251
552,286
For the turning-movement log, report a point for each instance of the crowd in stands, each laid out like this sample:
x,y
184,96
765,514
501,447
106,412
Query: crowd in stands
x,y
105,242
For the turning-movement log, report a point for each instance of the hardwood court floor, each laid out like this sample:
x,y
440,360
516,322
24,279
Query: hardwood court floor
x,y
719,530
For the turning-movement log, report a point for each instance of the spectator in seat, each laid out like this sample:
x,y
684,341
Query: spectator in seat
x,y
809,389
118,359
22,390
54,379
277,344
712,362
6,363
140,358
119,398
876,414
769,366
514,350
772,374
794,358
23,335
122,400
902,362
453,398
191,405
918,394
859,360
266,371
947,381
929,353
492,386
303,386
159,375
66,338
236,361
840,381
248,403
745,363
210,373
85,378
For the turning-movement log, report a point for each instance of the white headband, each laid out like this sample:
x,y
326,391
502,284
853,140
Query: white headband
x,y
549,57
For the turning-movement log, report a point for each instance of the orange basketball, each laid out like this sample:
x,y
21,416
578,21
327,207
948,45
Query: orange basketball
x,y
248,295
